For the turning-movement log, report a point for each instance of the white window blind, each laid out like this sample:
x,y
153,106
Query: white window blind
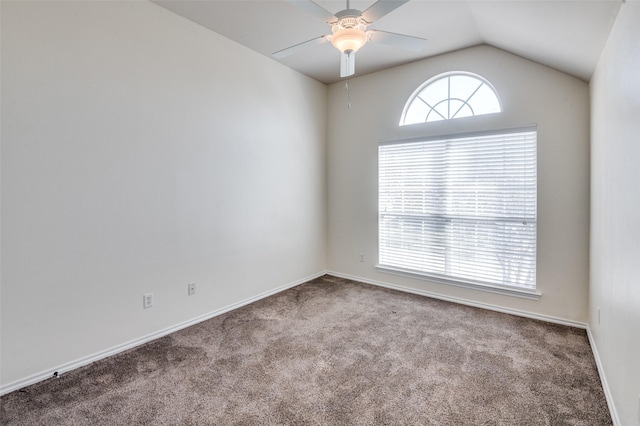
x,y
461,209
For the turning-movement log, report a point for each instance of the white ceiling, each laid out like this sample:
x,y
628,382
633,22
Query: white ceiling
x,y
564,34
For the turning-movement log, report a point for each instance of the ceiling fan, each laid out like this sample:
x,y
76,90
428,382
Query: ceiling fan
x,y
349,31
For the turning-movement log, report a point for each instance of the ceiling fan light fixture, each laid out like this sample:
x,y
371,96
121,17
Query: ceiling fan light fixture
x,y
349,39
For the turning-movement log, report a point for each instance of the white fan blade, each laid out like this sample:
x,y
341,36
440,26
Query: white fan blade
x,y
381,8
300,46
314,9
397,40
348,64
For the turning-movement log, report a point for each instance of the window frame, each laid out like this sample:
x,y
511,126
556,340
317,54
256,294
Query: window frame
x,y
434,79
534,294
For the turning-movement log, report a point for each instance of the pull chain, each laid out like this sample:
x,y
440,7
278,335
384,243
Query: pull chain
x,y
346,85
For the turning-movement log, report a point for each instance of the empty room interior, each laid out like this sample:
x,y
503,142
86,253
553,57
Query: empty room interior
x,y
161,168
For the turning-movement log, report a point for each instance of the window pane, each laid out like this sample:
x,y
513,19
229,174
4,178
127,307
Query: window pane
x,y
463,86
417,113
485,101
436,91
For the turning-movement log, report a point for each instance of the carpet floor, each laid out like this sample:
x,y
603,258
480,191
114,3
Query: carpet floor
x,y
334,352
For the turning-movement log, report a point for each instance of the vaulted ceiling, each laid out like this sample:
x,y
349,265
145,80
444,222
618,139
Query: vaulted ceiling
x,y
567,35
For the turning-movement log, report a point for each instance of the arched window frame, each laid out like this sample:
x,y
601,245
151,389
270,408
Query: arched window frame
x,y
438,77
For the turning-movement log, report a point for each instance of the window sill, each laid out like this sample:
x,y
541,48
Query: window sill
x,y
526,294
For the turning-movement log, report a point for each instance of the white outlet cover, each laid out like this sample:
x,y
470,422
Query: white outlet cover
x,y
147,300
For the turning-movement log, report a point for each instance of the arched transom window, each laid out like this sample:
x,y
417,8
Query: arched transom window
x,y
449,96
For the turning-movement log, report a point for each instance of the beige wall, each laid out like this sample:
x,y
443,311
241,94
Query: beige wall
x,y
615,213
531,94
141,152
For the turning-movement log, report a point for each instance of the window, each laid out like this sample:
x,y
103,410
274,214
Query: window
x,y
461,209
453,95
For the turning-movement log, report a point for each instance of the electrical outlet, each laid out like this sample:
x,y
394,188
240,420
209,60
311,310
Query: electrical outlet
x,y
147,300
191,289
361,257
598,315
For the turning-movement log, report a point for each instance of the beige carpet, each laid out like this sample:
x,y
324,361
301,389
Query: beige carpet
x,y
335,352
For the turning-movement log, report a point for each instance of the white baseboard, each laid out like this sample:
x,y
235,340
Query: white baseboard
x,y
64,368
462,301
603,379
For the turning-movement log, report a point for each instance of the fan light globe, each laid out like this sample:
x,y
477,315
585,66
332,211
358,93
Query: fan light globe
x,y
349,39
